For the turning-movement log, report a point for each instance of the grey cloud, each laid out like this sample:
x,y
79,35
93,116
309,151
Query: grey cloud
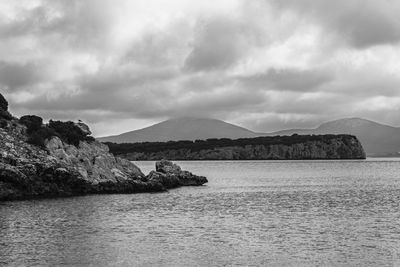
x,y
120,78
79,23
29,23
156,95
287,80
87,116
366,83
205,81
219,42
206,104
361,23
326,104
112,103
199,69
109,90
160,47
16,75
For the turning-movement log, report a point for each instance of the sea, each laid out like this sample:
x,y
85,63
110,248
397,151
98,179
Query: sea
x,y
251,213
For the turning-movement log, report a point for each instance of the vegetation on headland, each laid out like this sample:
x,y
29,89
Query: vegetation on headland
x,y
287,147
67,131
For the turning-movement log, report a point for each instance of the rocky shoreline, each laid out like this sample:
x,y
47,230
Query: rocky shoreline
x,y
58,168
62,170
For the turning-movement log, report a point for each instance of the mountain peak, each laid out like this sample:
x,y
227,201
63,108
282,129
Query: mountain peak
x,y
377,139
182,128
349,123
186,119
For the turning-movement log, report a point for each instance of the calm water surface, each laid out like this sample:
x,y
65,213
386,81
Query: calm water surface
x,y
252,213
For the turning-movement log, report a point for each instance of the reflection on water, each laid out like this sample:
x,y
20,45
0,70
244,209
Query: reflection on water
x,y
253,213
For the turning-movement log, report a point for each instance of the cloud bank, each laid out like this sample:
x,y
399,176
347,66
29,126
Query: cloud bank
x,y
263,64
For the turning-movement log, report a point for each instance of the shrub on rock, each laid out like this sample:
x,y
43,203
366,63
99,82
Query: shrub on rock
x,y
32,122
3,103
69,132
84,128
3,123
39,137
4,114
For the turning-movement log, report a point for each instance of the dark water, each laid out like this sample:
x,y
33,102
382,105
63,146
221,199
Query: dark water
x,y
252,213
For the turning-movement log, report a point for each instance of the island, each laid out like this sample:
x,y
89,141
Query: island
x,y
60,159
294,147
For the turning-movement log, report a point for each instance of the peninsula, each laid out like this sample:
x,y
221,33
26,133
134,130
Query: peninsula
x,y
295,147
61,159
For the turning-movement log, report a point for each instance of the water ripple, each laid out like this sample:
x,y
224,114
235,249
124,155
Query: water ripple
x,y
251,213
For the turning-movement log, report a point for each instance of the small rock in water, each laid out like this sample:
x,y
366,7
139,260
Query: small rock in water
x,y
165,166
172,170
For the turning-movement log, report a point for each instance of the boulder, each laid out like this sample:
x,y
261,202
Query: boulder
x,y
165,166
189,179
167,180
172,174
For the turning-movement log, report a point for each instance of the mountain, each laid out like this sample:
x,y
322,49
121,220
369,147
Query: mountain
x,y
377,139
182,129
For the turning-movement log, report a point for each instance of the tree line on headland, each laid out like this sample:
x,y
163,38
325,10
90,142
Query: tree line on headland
x,y
268,147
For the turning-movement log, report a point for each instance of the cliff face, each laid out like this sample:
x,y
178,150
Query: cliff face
x,y
338,147
60,169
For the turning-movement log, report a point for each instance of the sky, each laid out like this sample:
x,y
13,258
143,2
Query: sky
x,y
262,64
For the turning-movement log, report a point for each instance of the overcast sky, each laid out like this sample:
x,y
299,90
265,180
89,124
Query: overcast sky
x,y
262,64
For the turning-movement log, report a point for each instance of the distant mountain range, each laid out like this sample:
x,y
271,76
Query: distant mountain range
x,y
377,139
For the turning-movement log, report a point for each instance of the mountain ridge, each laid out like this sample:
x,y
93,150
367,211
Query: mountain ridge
x,y
183,128
377,139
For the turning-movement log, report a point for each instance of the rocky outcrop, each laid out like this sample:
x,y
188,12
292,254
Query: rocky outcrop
x,y
329,147
172,175
28,171
60,169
